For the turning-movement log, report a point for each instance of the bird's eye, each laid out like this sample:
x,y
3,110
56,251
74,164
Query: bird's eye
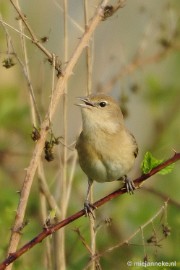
x,y
103,104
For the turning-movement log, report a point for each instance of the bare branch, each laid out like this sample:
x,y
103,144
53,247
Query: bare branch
x,y
32,34
140,229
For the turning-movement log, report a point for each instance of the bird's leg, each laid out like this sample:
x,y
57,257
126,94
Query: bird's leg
x,y
130,187
88,207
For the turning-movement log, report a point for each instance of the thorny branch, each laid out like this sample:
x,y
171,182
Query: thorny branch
x,y
51,229
35,40
105,14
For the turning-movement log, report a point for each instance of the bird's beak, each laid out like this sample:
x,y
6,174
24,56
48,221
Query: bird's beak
x,y
87,103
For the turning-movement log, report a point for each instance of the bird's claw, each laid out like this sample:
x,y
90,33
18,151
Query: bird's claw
x,y
88,208
130,187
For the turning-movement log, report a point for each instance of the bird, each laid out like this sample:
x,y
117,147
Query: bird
x,y
106,149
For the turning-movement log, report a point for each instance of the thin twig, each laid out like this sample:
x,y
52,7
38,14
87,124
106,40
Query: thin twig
x,y
36,119
31,32
71,177
50,230
13,28
46,192
140,229
83,240
53,83
88,52
69,17
43,205
25,69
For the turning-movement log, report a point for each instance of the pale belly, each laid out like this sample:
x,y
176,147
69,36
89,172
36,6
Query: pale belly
x,y
104,162
106,171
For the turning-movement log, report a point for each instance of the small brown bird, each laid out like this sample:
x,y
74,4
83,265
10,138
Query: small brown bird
x,y
106,149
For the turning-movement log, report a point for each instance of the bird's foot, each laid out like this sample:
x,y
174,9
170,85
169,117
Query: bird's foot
x,y
130,187
88,208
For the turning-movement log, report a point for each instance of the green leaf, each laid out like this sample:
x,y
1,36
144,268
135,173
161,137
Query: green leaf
x,y
167,169
150,162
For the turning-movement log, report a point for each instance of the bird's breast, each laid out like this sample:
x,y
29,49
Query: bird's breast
x,y
103,159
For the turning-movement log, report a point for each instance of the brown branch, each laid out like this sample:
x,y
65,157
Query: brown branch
x,y
50,230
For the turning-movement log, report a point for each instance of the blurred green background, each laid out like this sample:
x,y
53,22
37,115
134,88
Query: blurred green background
x,y
144,36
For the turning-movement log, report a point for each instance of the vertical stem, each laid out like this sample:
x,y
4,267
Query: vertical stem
x,y
61,246
70,177
65,114
43,204
88,52
53,84
143,241
89,90
93,234
34,110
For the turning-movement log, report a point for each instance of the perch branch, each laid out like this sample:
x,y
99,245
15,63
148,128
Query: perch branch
x,y
50,230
